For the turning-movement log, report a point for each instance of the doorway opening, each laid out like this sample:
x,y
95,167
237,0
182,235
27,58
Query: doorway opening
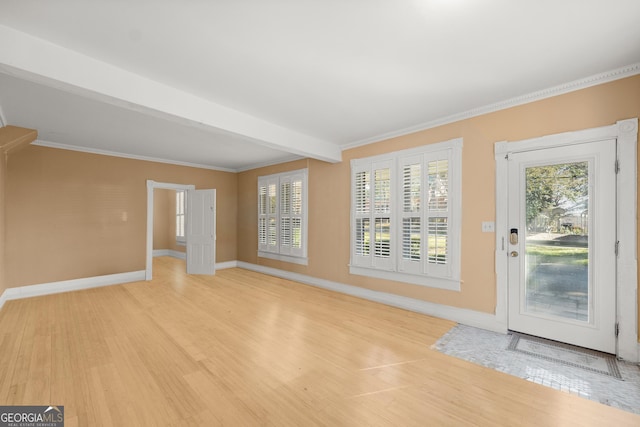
x,y
151,186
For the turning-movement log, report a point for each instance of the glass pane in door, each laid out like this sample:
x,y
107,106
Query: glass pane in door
x,y
557,241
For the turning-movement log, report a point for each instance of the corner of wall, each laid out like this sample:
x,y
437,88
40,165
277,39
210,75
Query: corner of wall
x,y
3,168
12,139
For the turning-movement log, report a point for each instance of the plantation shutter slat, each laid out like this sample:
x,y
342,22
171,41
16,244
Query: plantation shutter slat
x,y
438,214
285,215
262,215
297,215
272,215
412,234
381,216
361,255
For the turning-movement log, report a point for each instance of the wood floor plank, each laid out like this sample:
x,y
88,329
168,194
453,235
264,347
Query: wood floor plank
x,y
242,349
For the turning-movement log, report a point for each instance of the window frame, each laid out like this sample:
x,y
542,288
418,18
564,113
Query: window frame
x,y
396,267
289,216
181,239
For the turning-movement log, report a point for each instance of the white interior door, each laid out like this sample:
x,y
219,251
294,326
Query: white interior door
x,y
561,245
201,231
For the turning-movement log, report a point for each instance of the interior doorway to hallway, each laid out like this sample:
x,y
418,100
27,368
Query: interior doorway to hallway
x,y
151,187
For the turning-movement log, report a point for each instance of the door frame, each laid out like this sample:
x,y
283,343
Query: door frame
x,y
626,134
152,185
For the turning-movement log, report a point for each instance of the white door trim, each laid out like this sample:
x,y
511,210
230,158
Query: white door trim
x,y
626,133
151,185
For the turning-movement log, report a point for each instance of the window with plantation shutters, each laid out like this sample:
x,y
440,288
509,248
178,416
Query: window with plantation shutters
x,y
438,211
297,211
285,215
272,196
381,215
282,216
372,215
362,195
406,215
412,212
181,200
262,215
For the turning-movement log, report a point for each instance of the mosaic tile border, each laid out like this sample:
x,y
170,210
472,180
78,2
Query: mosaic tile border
x,y
613,370
489,349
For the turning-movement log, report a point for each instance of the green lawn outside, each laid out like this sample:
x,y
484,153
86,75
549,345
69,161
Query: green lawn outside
x,y
433,242
559,254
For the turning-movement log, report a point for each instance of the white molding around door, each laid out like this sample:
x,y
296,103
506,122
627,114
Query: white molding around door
x,y
152,185
626,134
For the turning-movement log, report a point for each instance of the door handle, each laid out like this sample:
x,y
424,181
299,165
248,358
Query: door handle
x,y
513,254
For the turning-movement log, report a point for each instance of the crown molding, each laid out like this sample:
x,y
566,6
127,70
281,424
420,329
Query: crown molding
x,y
43,143
594,80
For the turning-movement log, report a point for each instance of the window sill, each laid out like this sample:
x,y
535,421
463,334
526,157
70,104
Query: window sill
x,y
414,279
285,258
181,243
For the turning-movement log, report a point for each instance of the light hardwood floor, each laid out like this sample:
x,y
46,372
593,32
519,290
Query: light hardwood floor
x,y
245,349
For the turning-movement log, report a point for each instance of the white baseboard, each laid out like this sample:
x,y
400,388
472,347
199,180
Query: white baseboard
x,y
3,298
183,255
69,285
460,315
169,252
226,264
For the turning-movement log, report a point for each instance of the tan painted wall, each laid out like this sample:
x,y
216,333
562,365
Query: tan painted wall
x,y
164,220
329,191
72,215
12,139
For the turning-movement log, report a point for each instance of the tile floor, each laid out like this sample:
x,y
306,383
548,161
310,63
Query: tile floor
x,y
490,349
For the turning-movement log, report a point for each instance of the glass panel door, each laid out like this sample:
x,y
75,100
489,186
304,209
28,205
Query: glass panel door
x,y
557,240
561,244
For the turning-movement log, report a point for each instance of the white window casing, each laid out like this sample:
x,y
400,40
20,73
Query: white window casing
x,y
405,215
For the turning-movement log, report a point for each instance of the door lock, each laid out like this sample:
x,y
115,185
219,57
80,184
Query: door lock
x,y
514,254
513,236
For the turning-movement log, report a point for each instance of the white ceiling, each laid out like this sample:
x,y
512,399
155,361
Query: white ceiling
x,y
235,84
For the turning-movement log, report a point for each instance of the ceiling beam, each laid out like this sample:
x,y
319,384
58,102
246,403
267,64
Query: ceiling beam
x,y
27,57
13,138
